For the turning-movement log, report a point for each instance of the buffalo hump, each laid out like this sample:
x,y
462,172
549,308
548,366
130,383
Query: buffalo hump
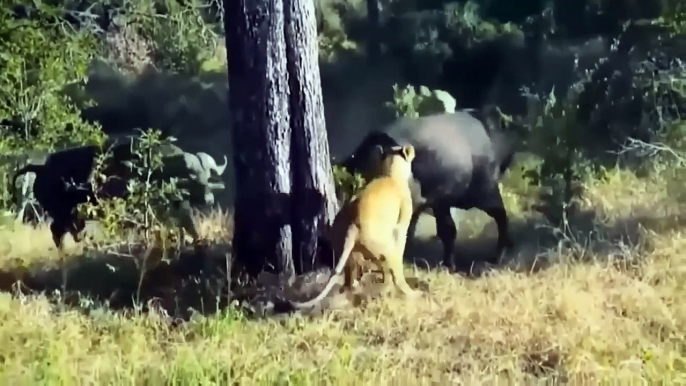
x,y
450,148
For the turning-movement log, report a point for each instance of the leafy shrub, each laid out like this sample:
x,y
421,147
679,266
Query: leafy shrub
x,y
334,18
674,16
466,24
35,112
555,134
144,206
347,185
407,102
182,40
127,49
426,40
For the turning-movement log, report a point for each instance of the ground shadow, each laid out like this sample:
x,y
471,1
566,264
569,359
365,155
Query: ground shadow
x,y
539,246
194,280
179,284
198,280
472,252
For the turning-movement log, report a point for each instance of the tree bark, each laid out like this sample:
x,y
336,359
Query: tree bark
x,y
315,203
258,98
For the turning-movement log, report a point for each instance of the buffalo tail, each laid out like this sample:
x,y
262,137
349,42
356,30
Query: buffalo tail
x,y
30,168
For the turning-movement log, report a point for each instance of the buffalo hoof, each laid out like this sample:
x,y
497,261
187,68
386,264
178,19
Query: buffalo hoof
x,y
504,245
200,245
449,265
189,265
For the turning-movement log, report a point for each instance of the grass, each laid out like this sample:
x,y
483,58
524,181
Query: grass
x,y
613,317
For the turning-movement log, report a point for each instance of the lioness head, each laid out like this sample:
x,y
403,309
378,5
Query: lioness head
x,y
365,159
395,161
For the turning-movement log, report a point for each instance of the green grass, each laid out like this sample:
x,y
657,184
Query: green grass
x,y
600,320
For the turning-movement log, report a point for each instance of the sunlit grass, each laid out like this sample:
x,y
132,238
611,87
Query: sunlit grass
x,y
607,319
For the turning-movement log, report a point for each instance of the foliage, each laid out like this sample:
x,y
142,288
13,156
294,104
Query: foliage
x,y
675,136
330,46
183,41
662,87
35,112
674,16
334,19
624,98
141,208
461,22
428,39
169,35
407,102
347,184
465,22
665,156
128,50
555,133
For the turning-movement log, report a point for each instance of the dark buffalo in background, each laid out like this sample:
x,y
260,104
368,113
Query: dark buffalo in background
x,y
62,182
60,185
460,158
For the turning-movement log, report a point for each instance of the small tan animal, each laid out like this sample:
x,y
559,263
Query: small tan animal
x,y
374,225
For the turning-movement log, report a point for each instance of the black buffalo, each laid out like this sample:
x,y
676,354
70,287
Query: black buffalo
x,y
63,182
460,159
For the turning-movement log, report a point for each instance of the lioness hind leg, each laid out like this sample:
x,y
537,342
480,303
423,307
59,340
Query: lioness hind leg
x,y
390,259
395,268
379,271
352,271
371,266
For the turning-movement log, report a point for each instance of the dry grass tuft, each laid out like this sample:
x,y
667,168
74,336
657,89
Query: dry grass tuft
x,y
611,317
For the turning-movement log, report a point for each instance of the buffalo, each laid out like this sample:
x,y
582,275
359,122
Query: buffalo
x,y
460,158
63,181
23,195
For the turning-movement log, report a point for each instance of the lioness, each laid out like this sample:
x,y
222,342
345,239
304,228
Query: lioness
x,y
374,225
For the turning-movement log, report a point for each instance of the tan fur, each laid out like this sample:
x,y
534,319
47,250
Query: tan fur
x,y
373,227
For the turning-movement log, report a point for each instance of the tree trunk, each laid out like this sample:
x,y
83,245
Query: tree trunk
x,y
315,203
258,98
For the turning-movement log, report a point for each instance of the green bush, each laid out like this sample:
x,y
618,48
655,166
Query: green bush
x,y
555,134
35,112
424,41
674,15
39,113
145,206
334,18
182,39
347,185
407,102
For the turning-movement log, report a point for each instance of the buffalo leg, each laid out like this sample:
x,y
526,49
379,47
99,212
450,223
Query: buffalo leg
x,y
200,262
76,227
182,212
186,220
419,205
496,210
58,230
411,229
446,231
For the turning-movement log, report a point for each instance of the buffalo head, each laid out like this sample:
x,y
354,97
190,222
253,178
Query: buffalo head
x,y
360,160
209,164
